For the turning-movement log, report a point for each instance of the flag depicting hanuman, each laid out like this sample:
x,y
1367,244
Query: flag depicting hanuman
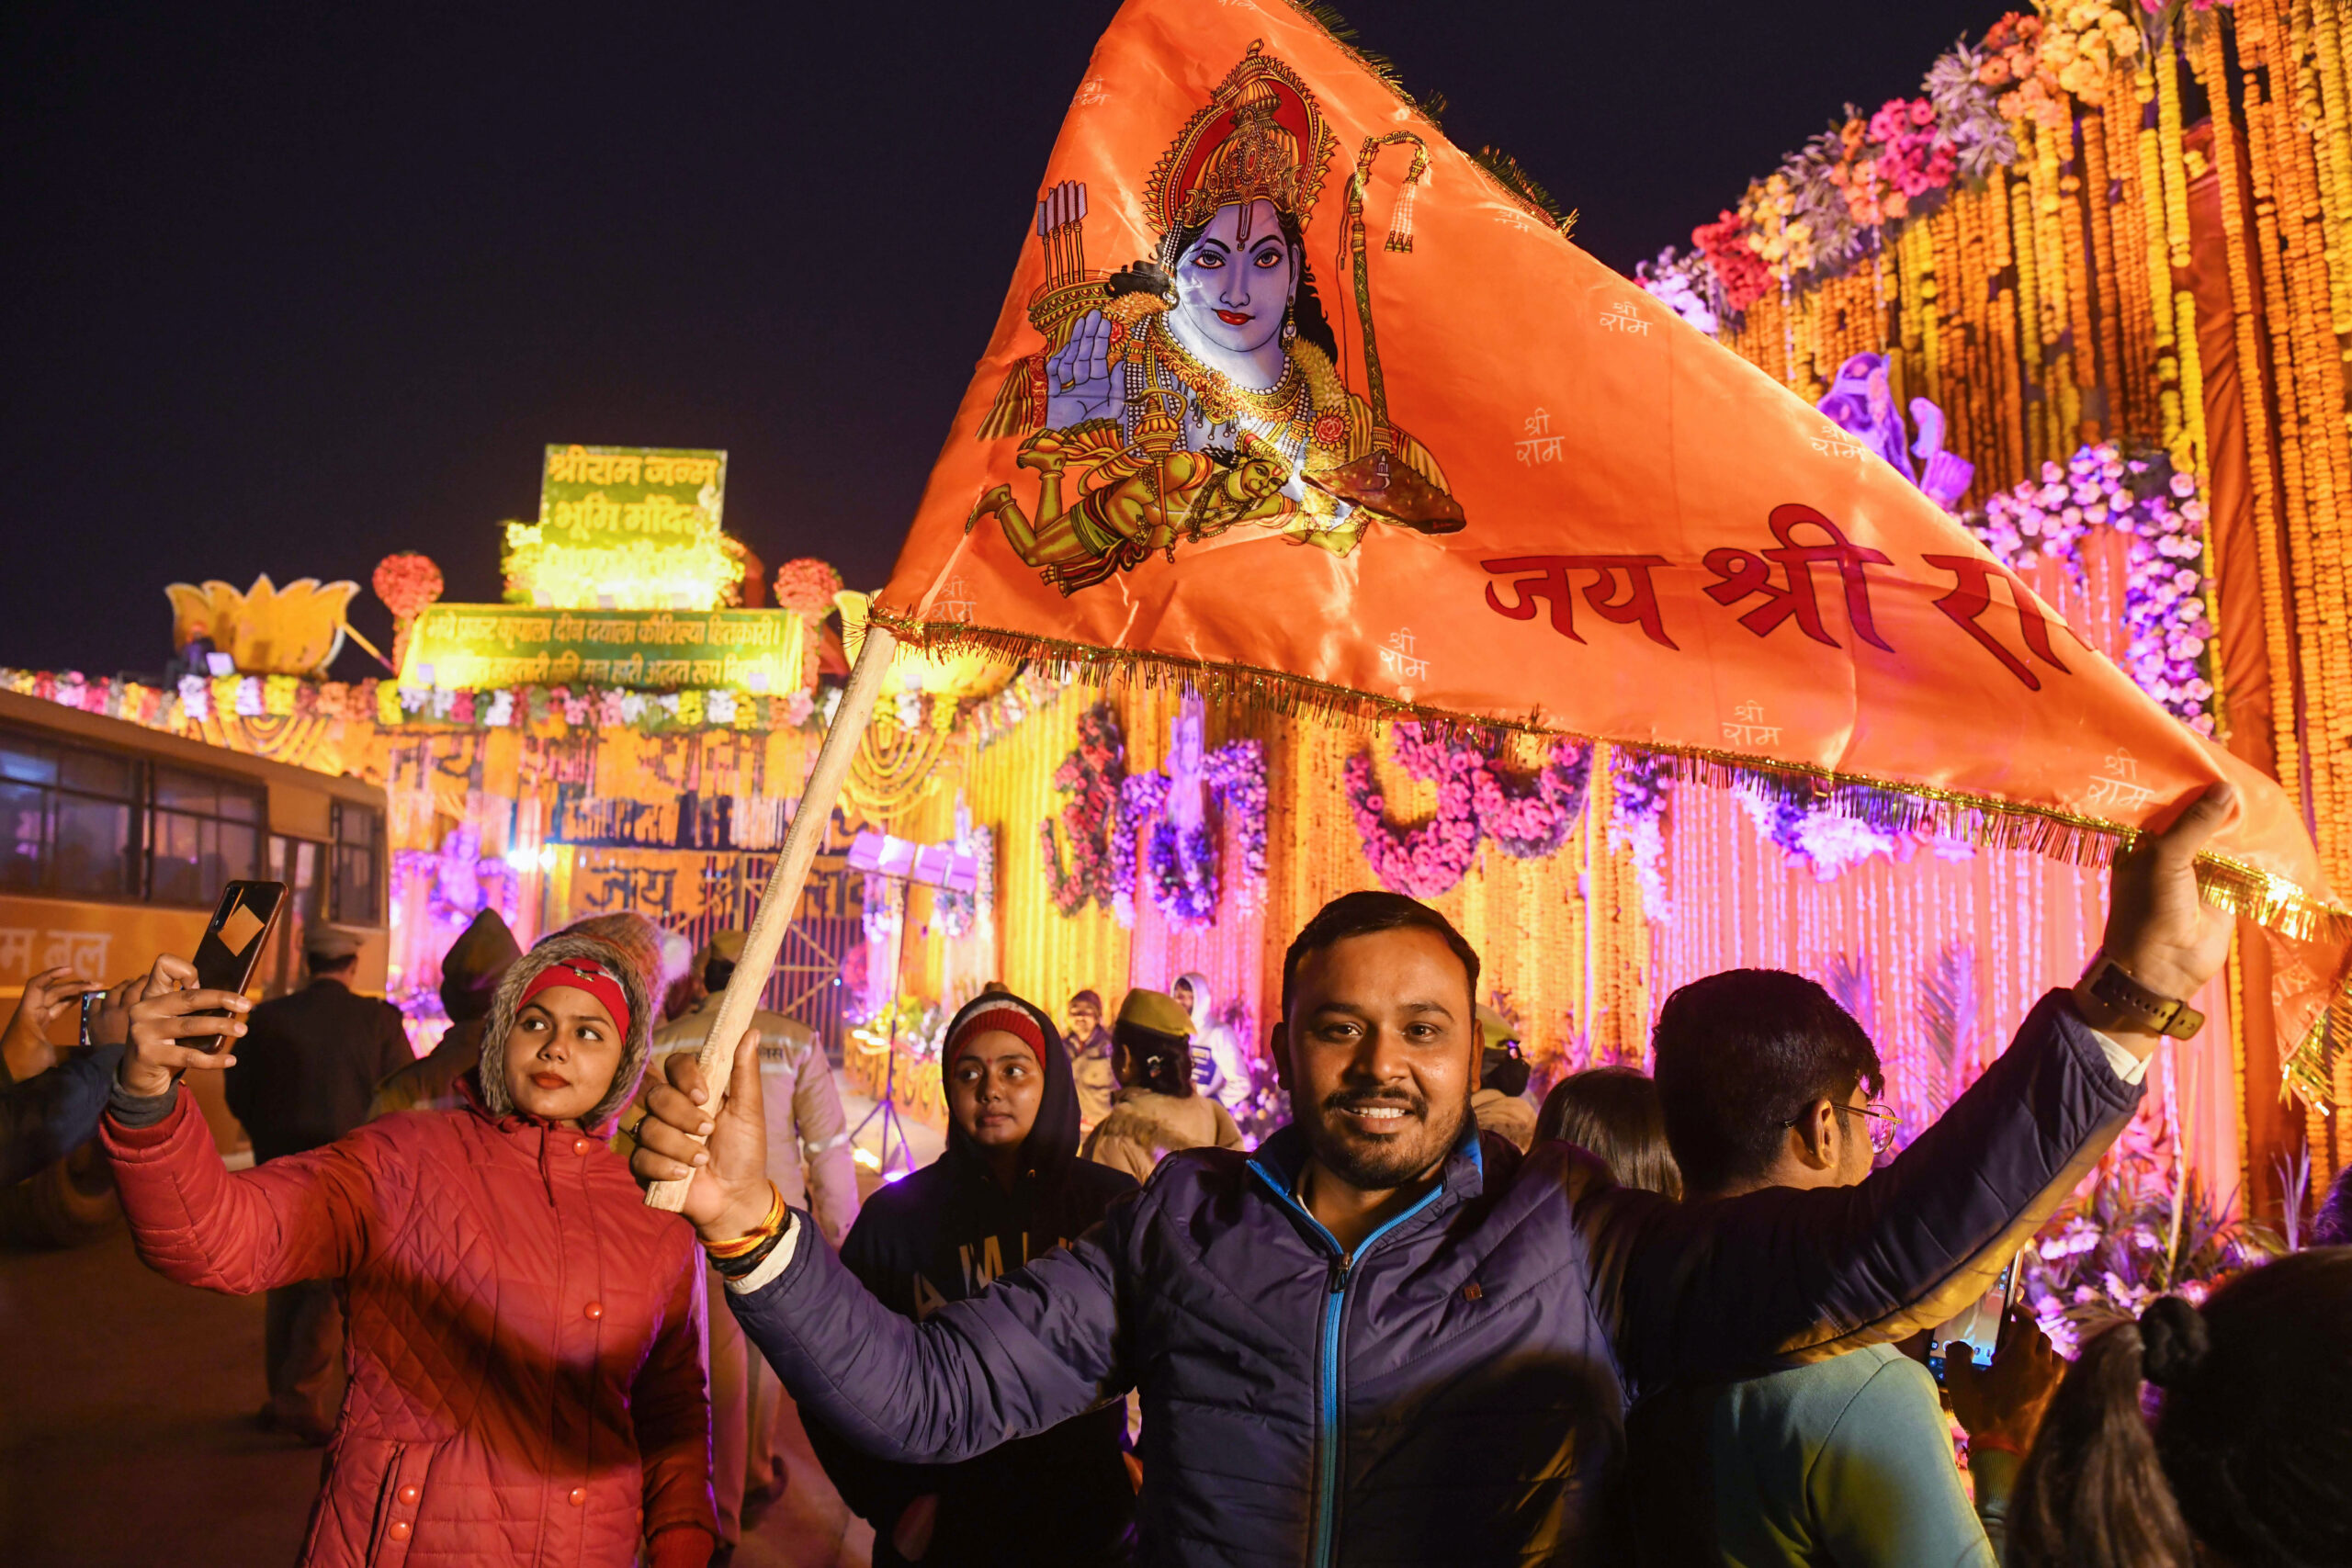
x,y
1197,390
1292,396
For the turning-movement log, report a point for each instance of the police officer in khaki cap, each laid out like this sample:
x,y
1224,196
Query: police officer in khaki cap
x,y
1159,1109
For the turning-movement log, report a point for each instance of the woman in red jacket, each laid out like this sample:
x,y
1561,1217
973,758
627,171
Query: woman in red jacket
x,y
526,1373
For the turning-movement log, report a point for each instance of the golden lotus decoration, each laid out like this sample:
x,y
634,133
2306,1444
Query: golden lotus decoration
x,y
266,629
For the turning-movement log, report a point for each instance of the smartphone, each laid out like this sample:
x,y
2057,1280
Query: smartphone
x,y
1980,1325
91,1002
233,943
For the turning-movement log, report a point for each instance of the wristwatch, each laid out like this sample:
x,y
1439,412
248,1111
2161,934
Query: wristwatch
x,y
2107,983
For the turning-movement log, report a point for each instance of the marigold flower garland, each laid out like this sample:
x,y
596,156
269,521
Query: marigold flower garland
x,y
1830,206
807,584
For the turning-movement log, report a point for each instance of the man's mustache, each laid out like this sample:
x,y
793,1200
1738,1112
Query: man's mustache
x,y
1366,1099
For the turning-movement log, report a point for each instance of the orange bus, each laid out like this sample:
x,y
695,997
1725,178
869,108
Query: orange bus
x,y
116,841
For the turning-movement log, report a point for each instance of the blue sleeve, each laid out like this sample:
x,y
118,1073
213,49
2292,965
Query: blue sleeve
x,y
876,1490
1781,1277
1884,1491
1038,1347
52,1114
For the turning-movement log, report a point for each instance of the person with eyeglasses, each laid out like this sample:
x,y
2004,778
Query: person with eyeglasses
x,y
1765,1082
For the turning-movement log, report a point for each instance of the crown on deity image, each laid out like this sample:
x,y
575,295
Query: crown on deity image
x,y
1260,136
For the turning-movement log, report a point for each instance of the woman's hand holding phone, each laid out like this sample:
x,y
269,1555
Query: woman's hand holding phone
x,y
171,1021
108,1014
2000,1407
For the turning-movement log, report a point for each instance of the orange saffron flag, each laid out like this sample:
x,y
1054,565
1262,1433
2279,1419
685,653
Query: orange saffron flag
x,y
1292,396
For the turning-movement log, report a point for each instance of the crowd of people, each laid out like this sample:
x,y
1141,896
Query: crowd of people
x,y
1661,1319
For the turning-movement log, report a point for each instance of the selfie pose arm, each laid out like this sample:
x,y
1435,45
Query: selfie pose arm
x,y
300,1217
1038,1347
1730,1287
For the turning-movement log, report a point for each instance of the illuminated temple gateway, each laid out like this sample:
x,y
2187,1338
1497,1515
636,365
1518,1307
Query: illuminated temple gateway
x,y
2078,291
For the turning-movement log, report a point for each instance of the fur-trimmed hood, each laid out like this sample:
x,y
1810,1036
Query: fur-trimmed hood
x,y
635,1050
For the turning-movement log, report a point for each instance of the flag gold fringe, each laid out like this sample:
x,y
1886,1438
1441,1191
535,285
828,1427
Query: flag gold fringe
x,y
2308,1072
2271,901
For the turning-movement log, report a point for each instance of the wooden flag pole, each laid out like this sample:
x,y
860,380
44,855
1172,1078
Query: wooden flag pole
x,y
782,899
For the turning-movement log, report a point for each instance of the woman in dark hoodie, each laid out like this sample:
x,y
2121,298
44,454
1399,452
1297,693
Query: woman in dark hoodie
x,y
1009,1187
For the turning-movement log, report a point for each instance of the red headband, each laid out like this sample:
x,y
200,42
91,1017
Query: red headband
x,y
583,974
1016,1021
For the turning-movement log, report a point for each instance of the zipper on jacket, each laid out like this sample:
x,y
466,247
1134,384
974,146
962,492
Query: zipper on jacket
x,y
1325,1533
1327,1429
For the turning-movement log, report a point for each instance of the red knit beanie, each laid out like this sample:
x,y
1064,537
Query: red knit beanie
x,y
1017,1021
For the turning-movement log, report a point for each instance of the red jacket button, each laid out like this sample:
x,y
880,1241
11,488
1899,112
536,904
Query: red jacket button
x,y
595,1311
581,1145
579,1496
398,1530
408,1495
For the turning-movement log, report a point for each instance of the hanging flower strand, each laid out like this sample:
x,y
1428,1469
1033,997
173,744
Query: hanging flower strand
x,y
1091,776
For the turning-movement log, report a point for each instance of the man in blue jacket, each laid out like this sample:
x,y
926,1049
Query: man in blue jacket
x,y
1384,1339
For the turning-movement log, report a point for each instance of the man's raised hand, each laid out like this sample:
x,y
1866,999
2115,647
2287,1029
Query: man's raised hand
x,y
727,1155
2158,930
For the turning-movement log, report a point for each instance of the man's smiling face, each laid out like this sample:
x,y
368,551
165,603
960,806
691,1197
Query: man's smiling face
x,y
1383,1050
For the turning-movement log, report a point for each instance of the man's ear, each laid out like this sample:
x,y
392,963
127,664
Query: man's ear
x,y
1814,1138
1278,1050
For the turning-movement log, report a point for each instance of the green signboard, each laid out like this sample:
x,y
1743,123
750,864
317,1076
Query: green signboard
x,y
618,496
484,647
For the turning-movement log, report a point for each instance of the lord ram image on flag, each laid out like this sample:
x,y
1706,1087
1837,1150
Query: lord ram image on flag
x,y
1200,390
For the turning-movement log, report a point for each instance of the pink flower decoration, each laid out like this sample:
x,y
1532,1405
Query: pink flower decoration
x,y
1528,821
2166,622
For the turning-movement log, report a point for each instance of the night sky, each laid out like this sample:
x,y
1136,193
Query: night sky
x,y
290,289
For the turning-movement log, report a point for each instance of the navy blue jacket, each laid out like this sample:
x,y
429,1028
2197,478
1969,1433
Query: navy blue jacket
x,y
1455,1392
50,1115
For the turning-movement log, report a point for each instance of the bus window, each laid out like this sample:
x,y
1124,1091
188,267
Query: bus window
x,y
355,896
69,820
205,833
